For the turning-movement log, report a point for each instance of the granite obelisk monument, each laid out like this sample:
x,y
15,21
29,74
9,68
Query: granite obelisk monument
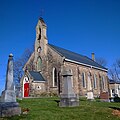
x,y
8,104
8,95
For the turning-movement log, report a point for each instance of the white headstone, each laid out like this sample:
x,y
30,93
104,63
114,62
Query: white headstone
x,y
89,89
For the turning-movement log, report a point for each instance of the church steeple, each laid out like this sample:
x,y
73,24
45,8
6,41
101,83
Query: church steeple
x,y
41,41
41,29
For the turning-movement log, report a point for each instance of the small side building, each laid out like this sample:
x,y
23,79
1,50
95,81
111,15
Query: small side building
x,y
34,84
114,87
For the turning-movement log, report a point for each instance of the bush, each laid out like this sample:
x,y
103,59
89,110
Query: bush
x,y
116,99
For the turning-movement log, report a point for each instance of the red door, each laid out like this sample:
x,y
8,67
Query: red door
x,y
26,89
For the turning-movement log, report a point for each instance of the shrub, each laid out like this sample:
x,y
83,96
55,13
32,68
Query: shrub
x,y
116,99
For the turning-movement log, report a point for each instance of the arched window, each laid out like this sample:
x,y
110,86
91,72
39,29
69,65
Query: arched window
x,y
118,87
95,81
103,82
54,77
83,80
38,33
89,82
39,63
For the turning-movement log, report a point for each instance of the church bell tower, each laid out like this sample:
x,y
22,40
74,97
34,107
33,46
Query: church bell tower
x,y
40,44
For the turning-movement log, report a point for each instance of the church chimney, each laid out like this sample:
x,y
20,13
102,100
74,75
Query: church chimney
x,y
93,56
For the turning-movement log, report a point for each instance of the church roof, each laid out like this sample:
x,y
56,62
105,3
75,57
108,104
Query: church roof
x,y
37,76
111,81
77,58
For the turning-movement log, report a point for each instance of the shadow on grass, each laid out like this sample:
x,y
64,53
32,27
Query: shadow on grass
x,y
115,108
21,117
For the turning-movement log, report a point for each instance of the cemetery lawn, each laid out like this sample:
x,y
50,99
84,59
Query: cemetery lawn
x,y
47,109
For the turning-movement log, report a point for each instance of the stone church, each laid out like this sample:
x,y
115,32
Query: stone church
x,y
43,70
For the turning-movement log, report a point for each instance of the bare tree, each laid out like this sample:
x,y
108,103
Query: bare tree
x,y
101,61
114,72
19,64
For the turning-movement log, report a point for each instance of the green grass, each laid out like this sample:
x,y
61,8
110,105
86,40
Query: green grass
x,y
47,109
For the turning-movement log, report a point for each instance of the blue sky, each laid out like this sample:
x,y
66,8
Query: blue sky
x,y
82,26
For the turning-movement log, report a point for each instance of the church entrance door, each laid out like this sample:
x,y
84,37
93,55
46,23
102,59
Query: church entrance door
x,y
26,89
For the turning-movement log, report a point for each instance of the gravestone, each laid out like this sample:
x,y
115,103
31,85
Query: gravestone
x,y
8,104
68,98
19,95
104,96
18,92
89,90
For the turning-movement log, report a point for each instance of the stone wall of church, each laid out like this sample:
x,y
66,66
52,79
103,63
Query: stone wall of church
x,y
54,60
77,71
37,88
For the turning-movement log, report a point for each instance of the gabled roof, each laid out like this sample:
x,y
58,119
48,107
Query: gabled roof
x,y
36,76
77,58
111,81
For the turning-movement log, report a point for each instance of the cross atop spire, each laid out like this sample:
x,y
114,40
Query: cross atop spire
x,y
41,13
